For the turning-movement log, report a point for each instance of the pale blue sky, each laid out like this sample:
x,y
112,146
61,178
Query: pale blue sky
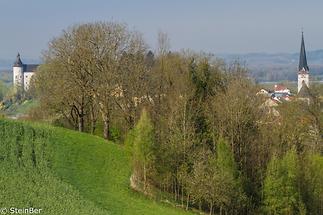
x,y
218,26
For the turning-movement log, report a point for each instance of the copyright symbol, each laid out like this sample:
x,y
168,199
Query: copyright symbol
x,y
3,210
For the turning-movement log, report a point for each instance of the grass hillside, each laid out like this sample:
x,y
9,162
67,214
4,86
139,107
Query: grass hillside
x,y
66,172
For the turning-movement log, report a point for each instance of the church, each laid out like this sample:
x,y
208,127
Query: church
x,y
22,73
281,93
303,72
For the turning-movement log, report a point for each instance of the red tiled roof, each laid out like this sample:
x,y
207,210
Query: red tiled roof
x,y
279,87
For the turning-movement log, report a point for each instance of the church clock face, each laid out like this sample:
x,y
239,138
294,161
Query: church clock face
x,y
303,76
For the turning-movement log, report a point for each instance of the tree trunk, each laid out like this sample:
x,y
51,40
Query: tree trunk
x,y
131,122
182,195
93,126
211,208
187,201
145,178
175,189
93,119
81,115
106,126
81,123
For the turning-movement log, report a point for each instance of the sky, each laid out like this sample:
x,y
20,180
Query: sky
x,y
216,26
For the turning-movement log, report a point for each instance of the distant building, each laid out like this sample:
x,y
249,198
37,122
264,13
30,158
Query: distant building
x,y
303,70
264,92
282,94
22,73
279,88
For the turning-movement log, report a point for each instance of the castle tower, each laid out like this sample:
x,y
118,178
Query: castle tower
x,y
18,72
303,70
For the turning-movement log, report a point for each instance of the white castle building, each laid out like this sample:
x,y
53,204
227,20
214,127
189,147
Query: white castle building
x,y
22,73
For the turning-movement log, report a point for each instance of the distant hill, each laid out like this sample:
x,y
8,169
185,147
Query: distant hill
x,y
278,66
264,67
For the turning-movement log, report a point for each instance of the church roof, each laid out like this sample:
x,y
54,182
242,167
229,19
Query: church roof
x,y
26,67
30,67
304,92
302,57
18,62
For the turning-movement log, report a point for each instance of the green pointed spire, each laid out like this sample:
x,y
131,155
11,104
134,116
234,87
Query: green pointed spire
x,y
302,57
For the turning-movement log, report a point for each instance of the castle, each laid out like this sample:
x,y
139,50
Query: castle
x,y
22,73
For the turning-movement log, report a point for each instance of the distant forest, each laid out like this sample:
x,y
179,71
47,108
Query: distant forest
x,y
272,73
265,67
262,67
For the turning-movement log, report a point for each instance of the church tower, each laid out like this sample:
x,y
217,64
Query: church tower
x,y
303,70
18,72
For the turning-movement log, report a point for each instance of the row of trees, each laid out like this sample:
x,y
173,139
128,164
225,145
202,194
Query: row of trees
x,y
208,103
292,181
204,136
210,106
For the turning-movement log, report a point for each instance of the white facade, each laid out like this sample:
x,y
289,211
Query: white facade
x,y
27,78
303,77
18,76
22,74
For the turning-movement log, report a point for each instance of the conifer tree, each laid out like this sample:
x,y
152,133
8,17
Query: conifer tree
x,y
233,195
142,149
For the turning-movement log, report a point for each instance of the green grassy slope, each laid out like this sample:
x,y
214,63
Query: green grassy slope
x,y
66,172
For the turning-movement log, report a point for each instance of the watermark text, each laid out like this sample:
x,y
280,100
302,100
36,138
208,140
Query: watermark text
x,y
14,210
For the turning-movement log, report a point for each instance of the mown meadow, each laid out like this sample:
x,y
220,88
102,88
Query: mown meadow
x,y
66,172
